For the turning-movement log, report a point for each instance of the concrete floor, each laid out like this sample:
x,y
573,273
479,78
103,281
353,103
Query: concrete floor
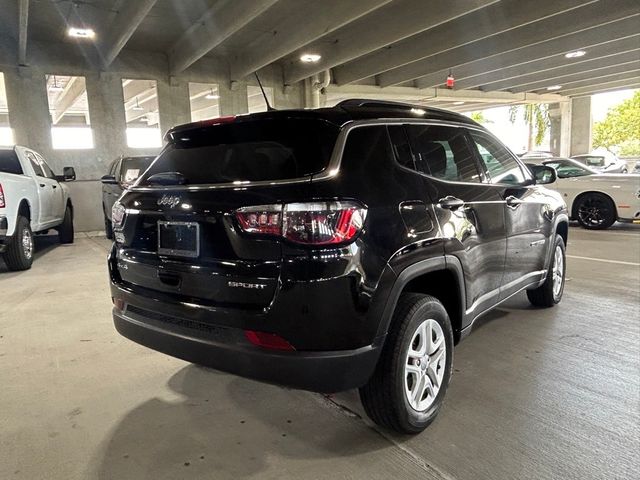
x,y
536,394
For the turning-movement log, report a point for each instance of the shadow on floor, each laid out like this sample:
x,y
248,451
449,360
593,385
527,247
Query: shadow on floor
x,y
231,428
43,245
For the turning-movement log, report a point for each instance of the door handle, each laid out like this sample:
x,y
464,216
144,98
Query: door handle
x,y
451,203
42,185
512,201
54,186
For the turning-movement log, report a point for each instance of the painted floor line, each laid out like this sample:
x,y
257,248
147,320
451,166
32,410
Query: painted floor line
x,y
619,262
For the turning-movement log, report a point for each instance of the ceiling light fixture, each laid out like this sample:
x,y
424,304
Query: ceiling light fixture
x,y
212,96
576,54
81,32
55,87
554,87
310,58
458,103
137,106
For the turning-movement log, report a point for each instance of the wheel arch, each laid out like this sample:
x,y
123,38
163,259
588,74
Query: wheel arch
x,y
24,209
439,277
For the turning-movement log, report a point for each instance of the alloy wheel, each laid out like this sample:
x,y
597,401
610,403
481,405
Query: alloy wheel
x,y
593,211
425,365
558,271
27,243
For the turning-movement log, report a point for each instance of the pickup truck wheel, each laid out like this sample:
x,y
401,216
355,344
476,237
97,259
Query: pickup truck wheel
x,y
550,292
407,389
65,230
19,253
108,228
596,211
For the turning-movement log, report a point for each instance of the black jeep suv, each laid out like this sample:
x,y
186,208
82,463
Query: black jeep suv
x,y
334,248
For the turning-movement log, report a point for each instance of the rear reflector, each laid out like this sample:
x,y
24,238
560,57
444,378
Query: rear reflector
x,y
313,223
268,340
2,204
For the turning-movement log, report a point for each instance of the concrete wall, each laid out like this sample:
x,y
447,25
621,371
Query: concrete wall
x,y
30,120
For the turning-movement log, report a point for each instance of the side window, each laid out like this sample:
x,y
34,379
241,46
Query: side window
x,y
401,148
45,167
500,165
35,165
443,152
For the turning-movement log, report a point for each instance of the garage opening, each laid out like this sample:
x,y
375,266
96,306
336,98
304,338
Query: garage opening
x,y
69,110
6,134
142,113
204,100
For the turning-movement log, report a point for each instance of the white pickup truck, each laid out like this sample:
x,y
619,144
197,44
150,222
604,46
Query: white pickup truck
x,y
32,200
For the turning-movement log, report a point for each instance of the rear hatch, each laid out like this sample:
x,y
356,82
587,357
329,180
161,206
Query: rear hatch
x,y
180,234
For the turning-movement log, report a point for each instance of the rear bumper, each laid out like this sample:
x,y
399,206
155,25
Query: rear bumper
x,y
226,349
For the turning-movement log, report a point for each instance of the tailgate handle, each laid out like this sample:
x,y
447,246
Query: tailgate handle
x,y
170,279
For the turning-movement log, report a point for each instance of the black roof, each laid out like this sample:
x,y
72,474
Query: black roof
x,y
345,111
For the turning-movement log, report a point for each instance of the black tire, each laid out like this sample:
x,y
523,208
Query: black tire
x,y
383,397
108,228
595,211
18,255
544,296
65,230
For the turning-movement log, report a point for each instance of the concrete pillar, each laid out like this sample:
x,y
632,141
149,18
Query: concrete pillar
x,y
291,96
29,108
555,128
580,125
173,103
560,129
106,112
233,98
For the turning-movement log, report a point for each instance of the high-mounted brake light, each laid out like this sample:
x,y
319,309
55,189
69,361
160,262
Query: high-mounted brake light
x,y
2,204
314,223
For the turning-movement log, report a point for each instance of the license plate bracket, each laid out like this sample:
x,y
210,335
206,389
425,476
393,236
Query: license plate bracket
x,y
179,239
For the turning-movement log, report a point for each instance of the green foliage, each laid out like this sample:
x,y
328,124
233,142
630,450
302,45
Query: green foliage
x,y
479,117
620,128
536,116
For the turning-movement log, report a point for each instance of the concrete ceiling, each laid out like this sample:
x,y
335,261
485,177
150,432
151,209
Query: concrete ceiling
x,y
488,45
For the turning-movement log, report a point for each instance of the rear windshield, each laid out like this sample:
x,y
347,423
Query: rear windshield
x,y
261,150
9,162
133,167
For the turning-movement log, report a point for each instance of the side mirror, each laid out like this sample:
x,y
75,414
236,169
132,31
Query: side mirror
x,y
69,174
544,175
109,180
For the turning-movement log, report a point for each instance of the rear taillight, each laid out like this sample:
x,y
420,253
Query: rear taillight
x,y
2,204
314,223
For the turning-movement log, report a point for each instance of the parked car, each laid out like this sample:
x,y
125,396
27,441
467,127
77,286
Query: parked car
x,y
334,248
595,199
123,172
32,199
602,162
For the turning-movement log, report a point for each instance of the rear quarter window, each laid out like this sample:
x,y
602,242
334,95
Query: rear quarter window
x,y
9,162
260,150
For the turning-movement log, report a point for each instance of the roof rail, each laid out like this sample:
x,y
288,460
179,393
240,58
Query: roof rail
x,y
363,102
